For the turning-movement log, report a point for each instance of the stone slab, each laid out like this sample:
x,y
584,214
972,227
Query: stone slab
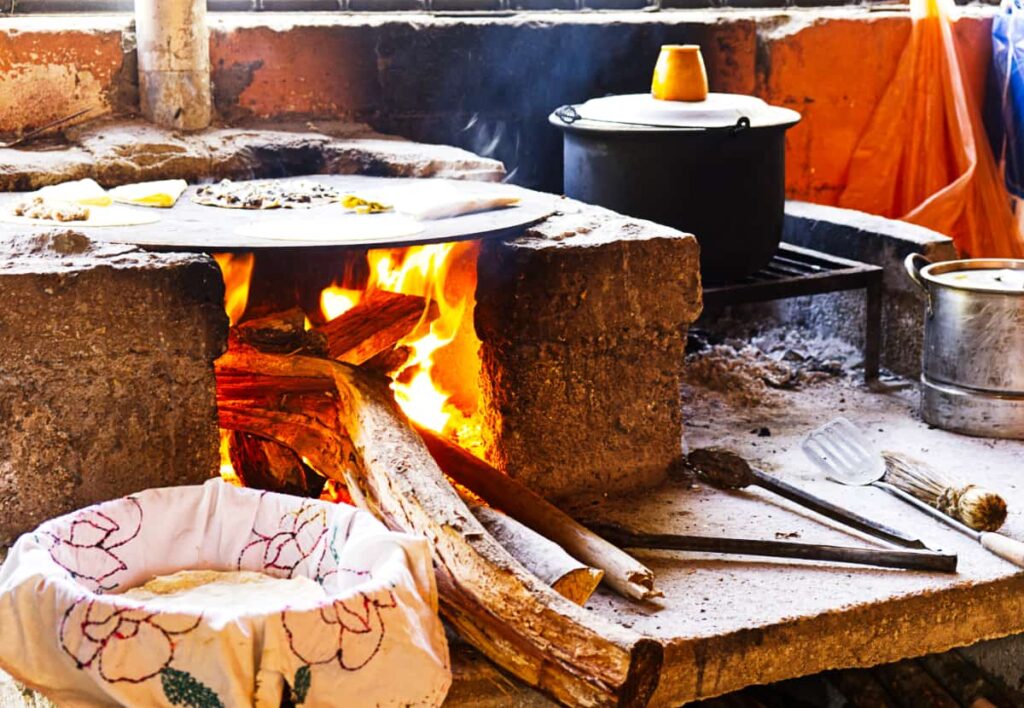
x,y
583,327
106,373
732,622
120,151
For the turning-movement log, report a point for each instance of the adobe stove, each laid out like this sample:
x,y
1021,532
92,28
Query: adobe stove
x,y
547,338
532,354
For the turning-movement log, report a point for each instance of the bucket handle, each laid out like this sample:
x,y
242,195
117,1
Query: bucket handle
x,y
914,263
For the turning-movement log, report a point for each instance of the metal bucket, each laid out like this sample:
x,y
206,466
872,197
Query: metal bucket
x,y
972,369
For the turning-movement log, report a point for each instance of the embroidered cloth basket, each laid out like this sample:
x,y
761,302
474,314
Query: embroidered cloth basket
x,y
374,640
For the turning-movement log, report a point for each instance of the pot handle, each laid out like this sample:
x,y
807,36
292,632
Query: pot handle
x,y
914,263
567,114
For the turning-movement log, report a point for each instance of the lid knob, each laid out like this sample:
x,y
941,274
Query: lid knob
x,y
679,74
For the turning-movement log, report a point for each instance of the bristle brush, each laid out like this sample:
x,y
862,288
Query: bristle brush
x,y
977,507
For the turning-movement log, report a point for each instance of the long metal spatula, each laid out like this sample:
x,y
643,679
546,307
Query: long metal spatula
x,y
845,456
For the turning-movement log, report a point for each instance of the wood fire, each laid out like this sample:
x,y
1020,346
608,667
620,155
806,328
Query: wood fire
x,y
413,318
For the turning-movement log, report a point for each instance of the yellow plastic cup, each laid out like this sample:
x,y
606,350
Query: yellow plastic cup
x,y
679,74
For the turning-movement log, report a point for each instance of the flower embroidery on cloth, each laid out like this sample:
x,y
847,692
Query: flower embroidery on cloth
x,y
85,547
301,536
359,625
130,644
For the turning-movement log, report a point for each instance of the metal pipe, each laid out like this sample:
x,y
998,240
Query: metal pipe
x,y
174,62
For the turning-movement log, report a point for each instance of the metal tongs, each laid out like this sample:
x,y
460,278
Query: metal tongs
x,y
727,470
43,128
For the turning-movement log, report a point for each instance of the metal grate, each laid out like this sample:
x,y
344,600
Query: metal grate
x,y
794,272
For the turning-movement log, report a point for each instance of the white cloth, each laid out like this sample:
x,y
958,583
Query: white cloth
x,y
375,640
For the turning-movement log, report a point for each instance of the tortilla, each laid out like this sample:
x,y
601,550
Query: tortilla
x,y
265,194
86,192
161,193
98,216
338,229
240,591
432,200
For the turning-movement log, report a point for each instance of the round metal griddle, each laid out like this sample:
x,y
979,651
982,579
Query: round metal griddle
x,y
193,227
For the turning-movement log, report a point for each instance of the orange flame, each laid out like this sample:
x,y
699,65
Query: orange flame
x,y
442,398
336,301
227,470
236,268
438,385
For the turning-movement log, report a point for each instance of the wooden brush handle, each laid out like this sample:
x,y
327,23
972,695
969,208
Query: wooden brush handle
x,y
1003,546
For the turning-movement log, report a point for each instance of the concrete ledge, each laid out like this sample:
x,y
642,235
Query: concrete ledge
x,y
370,68
729,622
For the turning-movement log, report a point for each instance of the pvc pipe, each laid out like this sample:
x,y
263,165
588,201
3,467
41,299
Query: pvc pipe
x,y
174,62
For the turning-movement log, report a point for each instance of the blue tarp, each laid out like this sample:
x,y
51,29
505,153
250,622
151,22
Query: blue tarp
x,y
1008,60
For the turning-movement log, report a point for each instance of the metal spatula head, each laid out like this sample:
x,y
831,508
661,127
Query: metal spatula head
x,y
843,453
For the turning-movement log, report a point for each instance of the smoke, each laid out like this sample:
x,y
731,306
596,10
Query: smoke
x,y
496,138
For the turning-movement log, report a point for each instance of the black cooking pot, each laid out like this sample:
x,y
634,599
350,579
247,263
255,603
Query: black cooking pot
x,y
713,168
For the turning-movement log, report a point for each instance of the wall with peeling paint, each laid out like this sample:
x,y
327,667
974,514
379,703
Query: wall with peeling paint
x,y
487,84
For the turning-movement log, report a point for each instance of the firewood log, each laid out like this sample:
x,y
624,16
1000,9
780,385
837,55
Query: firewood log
x,y
374,326
542,557
281,333
623,573
575,656
265,464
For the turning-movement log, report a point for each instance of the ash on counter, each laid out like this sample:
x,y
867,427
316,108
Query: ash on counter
x,y
749,370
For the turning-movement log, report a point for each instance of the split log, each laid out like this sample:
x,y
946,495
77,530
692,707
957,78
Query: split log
x,y
542,557
375,325
258,462
623,573
573,655
281,333
265,464
389,361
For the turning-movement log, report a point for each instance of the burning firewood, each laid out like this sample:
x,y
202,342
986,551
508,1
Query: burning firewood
x,y
258,462
374,326
265,464
281,333
573,655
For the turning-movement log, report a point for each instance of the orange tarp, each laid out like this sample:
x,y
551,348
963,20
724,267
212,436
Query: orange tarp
x,y
924,157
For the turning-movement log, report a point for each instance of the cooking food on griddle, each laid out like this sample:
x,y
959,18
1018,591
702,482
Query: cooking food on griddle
x,y
364,206
265,194
51,210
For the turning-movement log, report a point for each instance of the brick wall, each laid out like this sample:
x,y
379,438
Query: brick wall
x,y
488,83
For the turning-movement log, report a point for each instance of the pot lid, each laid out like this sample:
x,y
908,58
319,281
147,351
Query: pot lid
x,y
993,275
641,110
